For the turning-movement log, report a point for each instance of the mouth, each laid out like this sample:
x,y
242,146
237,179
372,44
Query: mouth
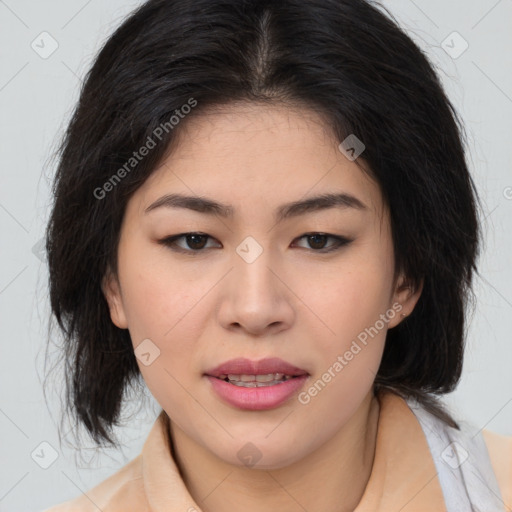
x,y
256,385
256,381
266,371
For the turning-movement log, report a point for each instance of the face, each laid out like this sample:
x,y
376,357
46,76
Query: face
x,y
312,286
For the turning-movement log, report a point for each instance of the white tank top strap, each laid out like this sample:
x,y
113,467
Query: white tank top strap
x,y
462,461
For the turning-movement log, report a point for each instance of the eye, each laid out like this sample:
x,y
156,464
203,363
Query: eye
x,y
317,241
196,242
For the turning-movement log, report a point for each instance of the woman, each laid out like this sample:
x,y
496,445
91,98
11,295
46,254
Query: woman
x,y
263,208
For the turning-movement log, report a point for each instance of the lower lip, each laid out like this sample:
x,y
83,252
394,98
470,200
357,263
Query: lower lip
x,y
257,399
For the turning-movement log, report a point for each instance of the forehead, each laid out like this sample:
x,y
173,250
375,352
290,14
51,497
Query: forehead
x,y
260,157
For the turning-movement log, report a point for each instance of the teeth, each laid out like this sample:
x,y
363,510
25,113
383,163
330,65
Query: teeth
x,y
269,377
254,384
255,380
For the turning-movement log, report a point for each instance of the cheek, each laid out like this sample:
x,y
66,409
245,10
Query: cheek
x,y
350,304
165,310
155,294
351,300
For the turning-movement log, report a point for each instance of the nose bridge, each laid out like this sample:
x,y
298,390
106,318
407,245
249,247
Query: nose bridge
x,y
252,267
255,297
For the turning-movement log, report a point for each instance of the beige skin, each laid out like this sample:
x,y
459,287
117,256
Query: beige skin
x,y
292,302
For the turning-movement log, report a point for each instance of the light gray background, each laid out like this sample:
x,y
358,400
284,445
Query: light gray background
x,y
36,98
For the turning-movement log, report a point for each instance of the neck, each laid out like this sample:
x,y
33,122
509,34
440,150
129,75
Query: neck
x,y
341,468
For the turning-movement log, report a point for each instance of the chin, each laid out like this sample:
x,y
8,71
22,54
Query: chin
x,y
261,453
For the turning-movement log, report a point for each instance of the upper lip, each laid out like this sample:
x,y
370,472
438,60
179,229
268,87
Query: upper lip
x,y
242,366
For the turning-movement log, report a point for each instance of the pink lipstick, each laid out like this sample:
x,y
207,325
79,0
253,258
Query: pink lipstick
x,y
256,385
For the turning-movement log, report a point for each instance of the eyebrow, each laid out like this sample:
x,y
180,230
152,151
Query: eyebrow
x,y
294,209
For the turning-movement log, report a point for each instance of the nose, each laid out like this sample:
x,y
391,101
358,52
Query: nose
x,y
257,296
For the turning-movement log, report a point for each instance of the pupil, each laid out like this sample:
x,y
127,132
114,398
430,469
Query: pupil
x,y
194,238
315,240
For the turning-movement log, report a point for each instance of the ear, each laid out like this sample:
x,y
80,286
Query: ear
x,y
112,292
404,300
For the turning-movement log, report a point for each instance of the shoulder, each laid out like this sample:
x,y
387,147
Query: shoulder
x,y
491,453
125,490
122,491
500,453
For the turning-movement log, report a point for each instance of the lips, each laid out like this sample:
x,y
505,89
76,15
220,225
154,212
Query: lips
x,y
242,366
234,383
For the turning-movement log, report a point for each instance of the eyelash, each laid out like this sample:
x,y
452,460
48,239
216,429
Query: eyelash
x,y
170,242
